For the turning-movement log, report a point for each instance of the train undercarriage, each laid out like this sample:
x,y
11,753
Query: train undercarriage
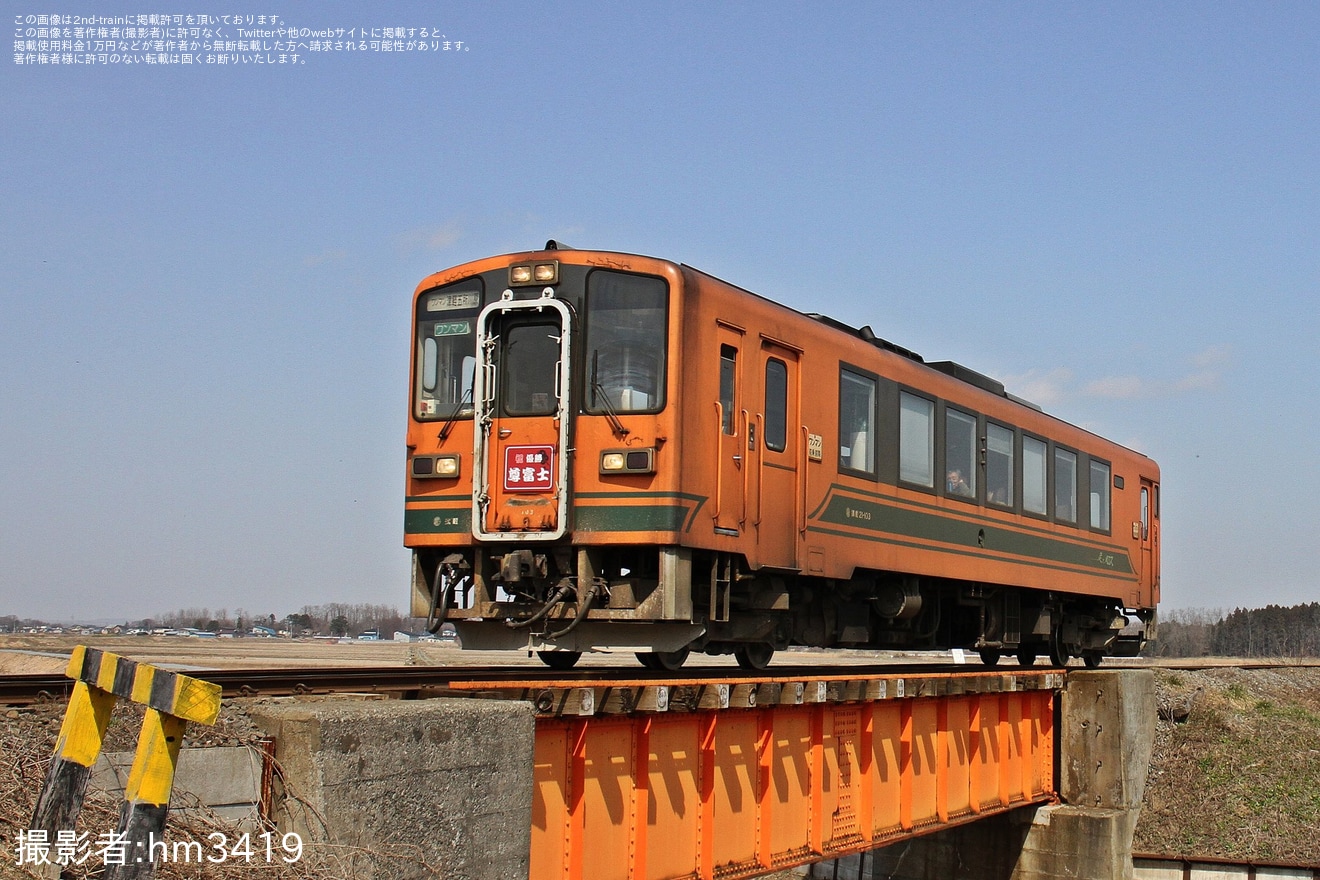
x,y
562,601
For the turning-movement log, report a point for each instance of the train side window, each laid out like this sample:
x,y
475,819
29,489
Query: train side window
x,y
1065,485
857,396
1099,496
998,465
728,382
776,405
1034,465
960,453
916,440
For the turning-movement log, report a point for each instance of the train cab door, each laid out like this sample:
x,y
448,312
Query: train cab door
x,y
520,485
1150,539
729,415
774,444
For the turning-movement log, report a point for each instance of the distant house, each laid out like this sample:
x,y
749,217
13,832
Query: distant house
x,y
264,632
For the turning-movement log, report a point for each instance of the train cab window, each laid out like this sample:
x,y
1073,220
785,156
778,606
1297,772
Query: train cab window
x,y
916,440
776,405
857,395
1099,496
998,465
446,350
1065,485
529,357
1034,470
959,453
625,342
728,387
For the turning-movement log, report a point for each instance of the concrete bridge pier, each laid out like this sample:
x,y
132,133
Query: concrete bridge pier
x,y
1106,731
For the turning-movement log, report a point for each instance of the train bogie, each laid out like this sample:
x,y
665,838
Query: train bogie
x,y
612,452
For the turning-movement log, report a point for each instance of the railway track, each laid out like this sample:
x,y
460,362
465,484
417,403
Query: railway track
x,y
412,682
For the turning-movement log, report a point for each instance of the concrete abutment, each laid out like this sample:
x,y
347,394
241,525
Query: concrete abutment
x,y
405,789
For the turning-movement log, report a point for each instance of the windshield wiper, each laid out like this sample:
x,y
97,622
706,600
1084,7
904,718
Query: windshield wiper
x,y
617,426
453,416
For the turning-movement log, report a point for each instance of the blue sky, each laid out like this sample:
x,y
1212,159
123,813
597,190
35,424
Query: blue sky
x,y
206,273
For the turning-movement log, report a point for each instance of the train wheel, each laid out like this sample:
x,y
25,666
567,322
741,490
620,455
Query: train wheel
x,y
1092,659
667,661
989,656
1059,654
560,659
1026,656
754,656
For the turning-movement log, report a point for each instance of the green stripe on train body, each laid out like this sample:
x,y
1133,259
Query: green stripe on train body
x,y
889,519
438,521
612,518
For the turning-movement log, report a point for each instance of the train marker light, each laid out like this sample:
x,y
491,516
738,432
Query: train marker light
x,y
442,466
628,461
524,274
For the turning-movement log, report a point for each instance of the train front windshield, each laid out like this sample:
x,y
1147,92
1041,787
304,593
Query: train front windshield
x,y
625,343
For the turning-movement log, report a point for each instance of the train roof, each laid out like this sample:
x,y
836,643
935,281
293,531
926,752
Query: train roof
x,y
865,333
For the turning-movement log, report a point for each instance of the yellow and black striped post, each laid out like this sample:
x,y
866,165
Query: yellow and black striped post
x,y
172,700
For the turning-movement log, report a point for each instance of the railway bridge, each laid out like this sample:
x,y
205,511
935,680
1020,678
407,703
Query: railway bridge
x,y
877,772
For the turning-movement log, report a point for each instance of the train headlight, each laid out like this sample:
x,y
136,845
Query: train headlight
x,y
439,466
534,273
628,461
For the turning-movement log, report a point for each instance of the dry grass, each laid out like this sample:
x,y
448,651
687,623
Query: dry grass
x,y
1239,776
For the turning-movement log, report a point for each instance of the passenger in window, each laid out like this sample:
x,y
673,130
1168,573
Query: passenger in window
x,y
956,485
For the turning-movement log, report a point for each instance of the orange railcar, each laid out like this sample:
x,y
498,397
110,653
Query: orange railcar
x,y
616,452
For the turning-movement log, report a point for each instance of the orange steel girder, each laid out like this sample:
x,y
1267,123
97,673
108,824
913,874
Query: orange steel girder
x,y
739,792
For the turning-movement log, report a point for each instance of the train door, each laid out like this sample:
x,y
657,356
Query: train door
x,y
730,421
774,443
520,486
1150,540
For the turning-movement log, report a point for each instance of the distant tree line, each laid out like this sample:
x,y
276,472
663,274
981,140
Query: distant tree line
x,y
1272,631
336,619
